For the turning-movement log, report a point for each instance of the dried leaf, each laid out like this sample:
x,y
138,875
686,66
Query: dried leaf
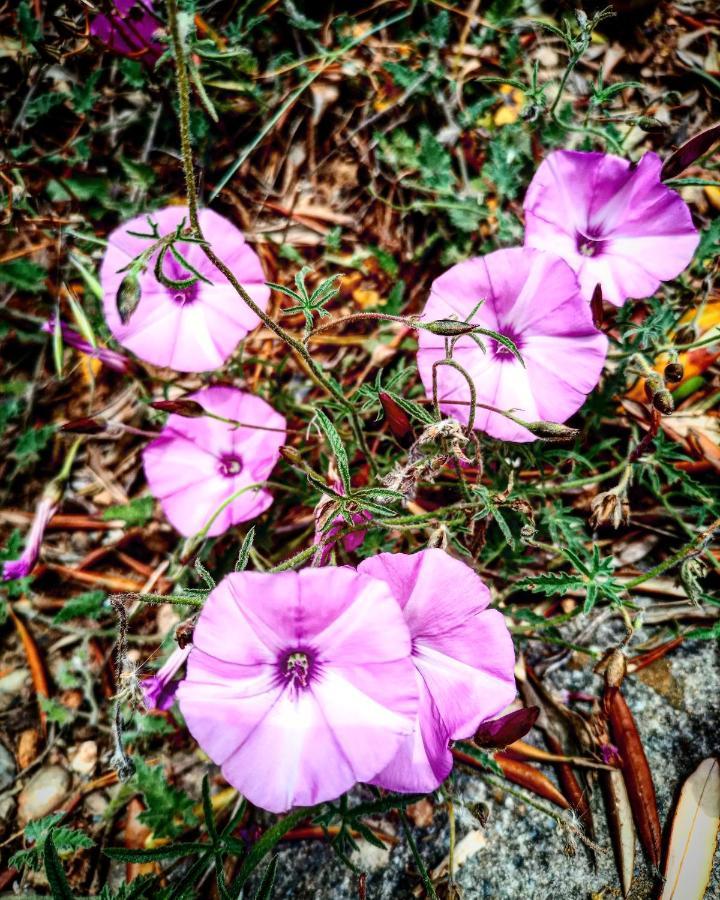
x,y
695,824
35,663
687,153
636,773
620,824
507,729
531,779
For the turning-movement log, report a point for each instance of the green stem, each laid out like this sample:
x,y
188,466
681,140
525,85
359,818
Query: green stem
x,y
676,558
416,856
314,369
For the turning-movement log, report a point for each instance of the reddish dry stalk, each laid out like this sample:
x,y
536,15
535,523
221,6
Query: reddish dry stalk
x,y
520,773
35,663
571,787
636,773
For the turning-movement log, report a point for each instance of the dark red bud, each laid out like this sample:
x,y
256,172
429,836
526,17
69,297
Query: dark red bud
x,y
87,425
674,373
188,409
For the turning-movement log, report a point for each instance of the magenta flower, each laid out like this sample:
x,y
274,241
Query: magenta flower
x,y
197,465
533,299
193,329
463,655
44,511
159,689
299,683
129,29
616,224
72,338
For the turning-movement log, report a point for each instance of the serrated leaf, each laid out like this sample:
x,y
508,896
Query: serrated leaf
x,y
137,512
169,851
55,873
90,605
338,448
245,548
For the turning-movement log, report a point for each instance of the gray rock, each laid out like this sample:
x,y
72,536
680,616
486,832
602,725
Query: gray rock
x,y
7,767
43,793
676,703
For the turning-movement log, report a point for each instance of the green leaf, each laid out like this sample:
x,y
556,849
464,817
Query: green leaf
x,y
23,275
245,548
55,711
169,851
338,448
89,605
264,845
54,872
137,512
31,444
264,891
165,804
435,163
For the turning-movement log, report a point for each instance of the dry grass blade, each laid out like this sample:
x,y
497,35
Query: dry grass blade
x,y
636,773
693,838
620,824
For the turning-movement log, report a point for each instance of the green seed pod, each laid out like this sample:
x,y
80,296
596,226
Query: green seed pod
x,y
128,296
673,373
449,327
650,123
663,402
551,431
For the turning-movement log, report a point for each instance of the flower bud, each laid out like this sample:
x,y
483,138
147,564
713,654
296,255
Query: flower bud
x,y
88,425
653,384
551,431
663,402
610,506
673,373
188,409
650,123
128,297
290,455
449,327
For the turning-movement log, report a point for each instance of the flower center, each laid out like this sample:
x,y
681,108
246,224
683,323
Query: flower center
x,y
500,351
184,296
230,465
297,668
589,246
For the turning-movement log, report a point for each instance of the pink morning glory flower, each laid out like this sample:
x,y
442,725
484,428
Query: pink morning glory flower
x,y
463,656
72,338
532,298
129,29
299,684
159,689
616,224
193,329
197,465
44,511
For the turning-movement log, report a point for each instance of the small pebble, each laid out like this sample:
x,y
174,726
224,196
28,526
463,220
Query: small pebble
x,y
7,767
43,793
84,759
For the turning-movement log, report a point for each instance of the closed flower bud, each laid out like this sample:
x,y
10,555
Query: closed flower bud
x,y
610,507
88,425
290,455
673,373
188,409
663,402
551,431
128,297
650,123
449,327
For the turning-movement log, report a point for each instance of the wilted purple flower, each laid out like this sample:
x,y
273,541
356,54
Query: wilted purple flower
x,y
532,298
615,223
299,684
196,465
44,511
193,328
129,29
463,655
159,689
72,338
327,538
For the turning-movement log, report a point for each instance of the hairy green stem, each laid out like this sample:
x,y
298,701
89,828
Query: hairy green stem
x,y
297,346
672,561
